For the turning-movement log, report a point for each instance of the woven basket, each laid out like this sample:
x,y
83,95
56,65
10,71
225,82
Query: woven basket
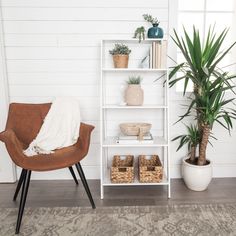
x,y
122,171
150,170
138,129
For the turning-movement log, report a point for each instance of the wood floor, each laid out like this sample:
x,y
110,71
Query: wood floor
x,y
66,193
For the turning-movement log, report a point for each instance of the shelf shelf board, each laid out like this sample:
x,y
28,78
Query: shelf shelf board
x,y
114,106
135,40
158,142
107,182
133,70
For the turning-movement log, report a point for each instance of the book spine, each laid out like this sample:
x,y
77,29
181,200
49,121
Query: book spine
x,y
159,55
164,54
157,52
150,58
153,55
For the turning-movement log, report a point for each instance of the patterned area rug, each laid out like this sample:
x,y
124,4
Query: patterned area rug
x,y
184,220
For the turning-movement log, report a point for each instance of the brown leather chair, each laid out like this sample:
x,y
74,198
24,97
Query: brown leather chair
x,y
23,124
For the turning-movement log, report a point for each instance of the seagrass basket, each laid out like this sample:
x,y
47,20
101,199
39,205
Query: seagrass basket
x,y
122,171
150,170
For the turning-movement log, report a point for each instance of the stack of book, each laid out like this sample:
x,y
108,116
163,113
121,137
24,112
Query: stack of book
x,y
158,54
128,139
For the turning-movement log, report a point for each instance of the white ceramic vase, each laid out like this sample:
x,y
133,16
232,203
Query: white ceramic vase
x,y
196,178
134,95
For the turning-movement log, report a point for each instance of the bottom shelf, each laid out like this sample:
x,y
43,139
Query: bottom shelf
x,y
107,182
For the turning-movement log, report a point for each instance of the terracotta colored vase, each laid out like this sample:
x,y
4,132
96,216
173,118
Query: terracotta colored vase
x,y
134,95
121,61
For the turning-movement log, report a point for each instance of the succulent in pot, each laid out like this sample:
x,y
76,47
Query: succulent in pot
x,y
208,103
134,92
120,55
155,31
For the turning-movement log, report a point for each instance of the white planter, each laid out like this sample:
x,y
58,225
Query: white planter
x,y
196,178
134,95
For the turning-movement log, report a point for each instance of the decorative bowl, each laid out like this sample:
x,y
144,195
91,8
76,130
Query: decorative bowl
x,y
135,128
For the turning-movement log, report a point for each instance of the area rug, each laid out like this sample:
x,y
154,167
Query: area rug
x,y
184,220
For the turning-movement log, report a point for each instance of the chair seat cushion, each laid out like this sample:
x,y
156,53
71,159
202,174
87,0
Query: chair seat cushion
x,y
61,158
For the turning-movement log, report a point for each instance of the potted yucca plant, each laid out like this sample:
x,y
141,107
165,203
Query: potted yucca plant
x,y
208,104
120,55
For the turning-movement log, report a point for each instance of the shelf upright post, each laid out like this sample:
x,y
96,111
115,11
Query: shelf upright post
x,y
168,133
101,123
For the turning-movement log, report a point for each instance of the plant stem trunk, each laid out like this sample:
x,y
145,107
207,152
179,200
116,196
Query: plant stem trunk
x,y
197,91
192,154
203,145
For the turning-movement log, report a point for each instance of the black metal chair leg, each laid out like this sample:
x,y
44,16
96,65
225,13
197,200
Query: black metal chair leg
x,y
20,181
84,181
73,175
24,193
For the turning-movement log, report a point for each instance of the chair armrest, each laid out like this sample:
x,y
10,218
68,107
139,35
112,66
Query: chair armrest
x,y
13,145
3,135
84,137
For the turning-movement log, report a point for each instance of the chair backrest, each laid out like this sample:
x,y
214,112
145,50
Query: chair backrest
x,y
26,120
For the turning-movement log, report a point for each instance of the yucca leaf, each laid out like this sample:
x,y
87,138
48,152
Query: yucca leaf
x,y
226,101
197,47
185,84
222,56
175,70
215,47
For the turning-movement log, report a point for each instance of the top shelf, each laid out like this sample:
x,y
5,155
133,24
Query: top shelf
x,y
135,69
134,40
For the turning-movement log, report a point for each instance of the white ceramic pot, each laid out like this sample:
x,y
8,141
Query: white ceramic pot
x,y
196,178
134,95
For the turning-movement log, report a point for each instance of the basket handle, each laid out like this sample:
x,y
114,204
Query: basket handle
x,y
122,169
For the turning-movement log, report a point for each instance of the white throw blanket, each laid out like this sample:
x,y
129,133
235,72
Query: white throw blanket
x,y
60,128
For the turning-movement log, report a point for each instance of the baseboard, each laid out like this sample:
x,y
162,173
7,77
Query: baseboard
x,y
93,172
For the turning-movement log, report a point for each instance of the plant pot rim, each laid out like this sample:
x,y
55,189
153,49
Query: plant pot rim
x,y
120,55
196,166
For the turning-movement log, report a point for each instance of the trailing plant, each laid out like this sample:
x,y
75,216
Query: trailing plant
x,y
151,19
134,80
210,82
191,139
140,33
120,49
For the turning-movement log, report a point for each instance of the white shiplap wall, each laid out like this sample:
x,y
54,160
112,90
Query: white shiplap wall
x,y
52,49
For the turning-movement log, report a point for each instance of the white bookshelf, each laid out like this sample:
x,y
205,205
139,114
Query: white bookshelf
x,y
108,143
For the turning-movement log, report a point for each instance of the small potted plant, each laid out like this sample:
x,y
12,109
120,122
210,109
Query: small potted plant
x,y
140,33
134,92
154,31
120,55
